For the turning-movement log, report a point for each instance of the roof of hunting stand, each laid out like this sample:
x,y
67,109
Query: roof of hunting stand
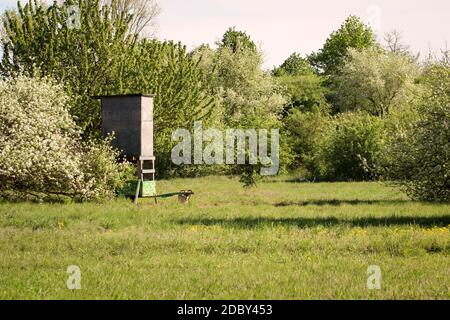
x,y
125,95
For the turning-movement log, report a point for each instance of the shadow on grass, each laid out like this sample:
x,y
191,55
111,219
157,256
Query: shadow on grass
x,y
260,222
335,202
290,180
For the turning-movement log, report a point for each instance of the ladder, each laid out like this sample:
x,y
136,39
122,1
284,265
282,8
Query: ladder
x,y
146,171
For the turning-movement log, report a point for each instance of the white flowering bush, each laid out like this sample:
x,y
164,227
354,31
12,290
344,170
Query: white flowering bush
x,y
41,151
418,152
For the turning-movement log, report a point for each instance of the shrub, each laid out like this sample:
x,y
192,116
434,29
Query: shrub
x,y
41,153
354,149
102,173
307,132
418,155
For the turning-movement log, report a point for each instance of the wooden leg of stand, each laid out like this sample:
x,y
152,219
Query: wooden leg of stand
x,y
138,188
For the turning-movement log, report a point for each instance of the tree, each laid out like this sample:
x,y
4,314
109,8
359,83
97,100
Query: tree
x,y
344,147
181,88
436,76
245,91
304,87
246,96
306,93
419,155
143,12
237,40
394,42
353,33
294,65
307,132
102,57
374,81
43,38
238,82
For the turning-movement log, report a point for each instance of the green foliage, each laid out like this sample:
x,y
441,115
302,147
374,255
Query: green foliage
x,y
436,77
41,37
237,41
102,170
375,81
294,65
305,89
225,88
42,154
353,151
307,132
418,155
167,70
246,96
341,148
306,92
353,33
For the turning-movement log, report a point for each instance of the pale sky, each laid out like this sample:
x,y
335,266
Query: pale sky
x,y
284,26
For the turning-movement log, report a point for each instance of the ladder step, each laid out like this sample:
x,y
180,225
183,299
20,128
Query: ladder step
x,y
148,170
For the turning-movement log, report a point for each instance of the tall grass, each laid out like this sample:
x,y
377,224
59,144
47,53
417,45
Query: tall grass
x,y
281,240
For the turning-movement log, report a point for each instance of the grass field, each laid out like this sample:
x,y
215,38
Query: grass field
x,y
281,240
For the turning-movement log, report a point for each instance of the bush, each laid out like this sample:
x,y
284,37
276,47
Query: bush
x,y
418,155
307,132
345,147
354,149
42,154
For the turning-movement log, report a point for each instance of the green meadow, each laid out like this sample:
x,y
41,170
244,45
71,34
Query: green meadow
x,y
279,240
